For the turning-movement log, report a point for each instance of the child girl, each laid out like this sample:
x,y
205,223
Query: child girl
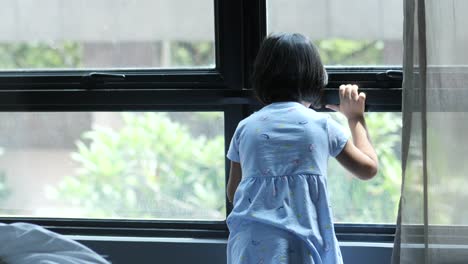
x,y
279,154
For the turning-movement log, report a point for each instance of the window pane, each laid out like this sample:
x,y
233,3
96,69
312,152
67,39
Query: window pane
x,y
109,34
374,201
164,165
347,32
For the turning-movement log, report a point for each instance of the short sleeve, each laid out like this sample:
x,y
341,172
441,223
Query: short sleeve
x,y
337,138
233,151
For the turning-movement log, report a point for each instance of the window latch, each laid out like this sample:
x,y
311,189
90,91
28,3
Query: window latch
x,y
391,74
90,80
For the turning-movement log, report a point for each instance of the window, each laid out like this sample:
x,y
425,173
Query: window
x,y
106,34
351,33
77,84
112,165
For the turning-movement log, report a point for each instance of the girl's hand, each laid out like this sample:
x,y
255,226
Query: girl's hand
x,y
351,102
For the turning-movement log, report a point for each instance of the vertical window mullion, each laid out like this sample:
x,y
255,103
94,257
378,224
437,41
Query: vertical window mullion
x,y
229,45
254,32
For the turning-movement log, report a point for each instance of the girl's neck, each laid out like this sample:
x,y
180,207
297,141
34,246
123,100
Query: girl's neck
x,y
304,103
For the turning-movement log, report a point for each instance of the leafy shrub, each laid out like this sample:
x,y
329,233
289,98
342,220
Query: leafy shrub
x,y
151,168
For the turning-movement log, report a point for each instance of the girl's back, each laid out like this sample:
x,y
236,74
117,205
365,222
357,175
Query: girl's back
x,y
284,149
286,138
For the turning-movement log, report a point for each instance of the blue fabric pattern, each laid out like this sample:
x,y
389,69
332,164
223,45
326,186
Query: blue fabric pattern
x,y
281,209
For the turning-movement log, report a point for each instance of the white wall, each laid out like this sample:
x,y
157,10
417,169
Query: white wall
x,y
192,20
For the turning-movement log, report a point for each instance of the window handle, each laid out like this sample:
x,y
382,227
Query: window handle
x,y
103,75
90,80
395,74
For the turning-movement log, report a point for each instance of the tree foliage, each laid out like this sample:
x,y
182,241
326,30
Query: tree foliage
x,y
151,168
190,54
373,201
350,52
40,55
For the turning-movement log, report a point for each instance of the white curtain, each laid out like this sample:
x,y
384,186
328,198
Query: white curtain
x,y
433,214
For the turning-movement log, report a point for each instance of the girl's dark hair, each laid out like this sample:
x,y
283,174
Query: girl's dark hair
x,y
288,68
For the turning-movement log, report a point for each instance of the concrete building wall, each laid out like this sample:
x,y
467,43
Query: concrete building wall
x,y
189,20
29,173
351,19
36,155
106,20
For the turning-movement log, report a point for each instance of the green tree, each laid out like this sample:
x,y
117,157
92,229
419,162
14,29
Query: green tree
x,y
40,55
374,201
350,52
151,168
190,54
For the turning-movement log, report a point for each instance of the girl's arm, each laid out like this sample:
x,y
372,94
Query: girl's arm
x,y
359,156
235,176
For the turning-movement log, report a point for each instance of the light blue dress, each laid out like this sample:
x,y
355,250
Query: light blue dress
x,y
281,210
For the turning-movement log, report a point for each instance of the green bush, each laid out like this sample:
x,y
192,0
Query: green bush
x,y
338,51
374,201
151,168
40,55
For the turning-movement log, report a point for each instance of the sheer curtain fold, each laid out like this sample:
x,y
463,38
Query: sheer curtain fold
x,y
432,225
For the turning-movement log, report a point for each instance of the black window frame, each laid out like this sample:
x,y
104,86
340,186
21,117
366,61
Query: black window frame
x,y
240,27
